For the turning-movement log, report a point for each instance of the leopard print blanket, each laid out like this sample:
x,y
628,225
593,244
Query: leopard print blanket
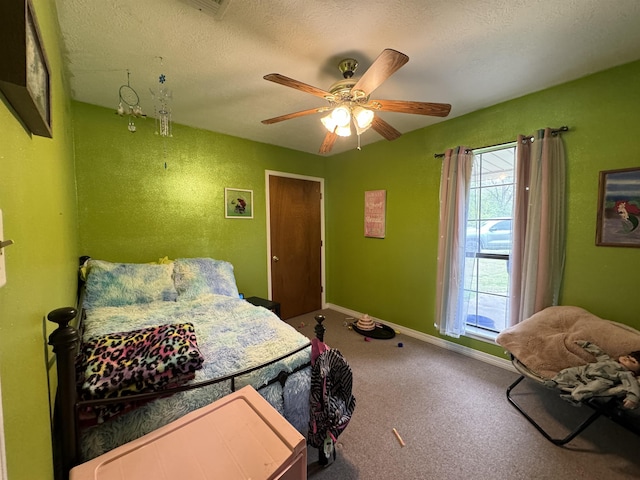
x,y
126,363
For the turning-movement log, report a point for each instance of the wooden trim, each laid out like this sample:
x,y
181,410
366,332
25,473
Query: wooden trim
x,y
3,457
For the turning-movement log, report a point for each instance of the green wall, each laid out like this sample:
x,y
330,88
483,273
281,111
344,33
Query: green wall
x,y
133,209
38,199
394,279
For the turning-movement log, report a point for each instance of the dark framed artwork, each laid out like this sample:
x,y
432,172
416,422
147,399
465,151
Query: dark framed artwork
x,y
238,203
618,223
24,70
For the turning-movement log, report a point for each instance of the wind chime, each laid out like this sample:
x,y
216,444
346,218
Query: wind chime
x,y
162,97
130,105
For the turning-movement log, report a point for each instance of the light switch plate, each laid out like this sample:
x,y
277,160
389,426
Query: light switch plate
x,y
3,271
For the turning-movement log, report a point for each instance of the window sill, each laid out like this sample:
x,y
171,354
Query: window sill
x,y
480,334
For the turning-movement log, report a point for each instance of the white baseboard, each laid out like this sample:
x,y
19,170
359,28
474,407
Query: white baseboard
x,y
469,352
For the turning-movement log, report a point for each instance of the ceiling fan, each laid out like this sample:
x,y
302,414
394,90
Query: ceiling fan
x,y
349,100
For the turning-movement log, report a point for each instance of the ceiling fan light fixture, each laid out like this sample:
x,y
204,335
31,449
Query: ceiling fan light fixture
x,y
360,131
344,131
362,117
341,116
329,123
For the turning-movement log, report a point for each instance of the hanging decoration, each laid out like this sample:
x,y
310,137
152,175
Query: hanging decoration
x,y
129,104
162,98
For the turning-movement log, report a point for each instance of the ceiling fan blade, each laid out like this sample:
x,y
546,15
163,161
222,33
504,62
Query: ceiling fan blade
x,y
303,87
288,116
387,63
384,129
329,140
418,108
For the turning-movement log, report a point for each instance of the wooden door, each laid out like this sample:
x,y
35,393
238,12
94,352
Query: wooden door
x,y
296,245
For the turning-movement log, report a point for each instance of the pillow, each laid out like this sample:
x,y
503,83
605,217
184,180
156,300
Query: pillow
x,y
195,277
119,284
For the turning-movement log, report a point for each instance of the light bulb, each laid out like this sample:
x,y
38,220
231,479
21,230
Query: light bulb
x,y
328,122
341,116
363,117
344,131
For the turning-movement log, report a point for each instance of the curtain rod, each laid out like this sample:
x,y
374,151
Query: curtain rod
x,y
554,131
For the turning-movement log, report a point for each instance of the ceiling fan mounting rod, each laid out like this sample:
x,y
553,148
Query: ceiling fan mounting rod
x,y
348,66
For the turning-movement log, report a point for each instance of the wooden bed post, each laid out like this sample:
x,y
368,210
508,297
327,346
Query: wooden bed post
x,y
65,340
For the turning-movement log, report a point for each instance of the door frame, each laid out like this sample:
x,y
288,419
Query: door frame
x,y
275,173
3,455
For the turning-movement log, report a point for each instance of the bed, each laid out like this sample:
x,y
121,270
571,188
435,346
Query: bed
x,y
550,341
208,342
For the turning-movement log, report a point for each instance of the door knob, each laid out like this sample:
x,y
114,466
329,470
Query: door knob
x,y
275,259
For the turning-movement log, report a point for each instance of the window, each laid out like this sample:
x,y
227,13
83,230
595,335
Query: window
x,y
489,240
481,190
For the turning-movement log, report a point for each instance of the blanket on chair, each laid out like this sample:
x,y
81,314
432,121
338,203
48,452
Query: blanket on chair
x,y
546,342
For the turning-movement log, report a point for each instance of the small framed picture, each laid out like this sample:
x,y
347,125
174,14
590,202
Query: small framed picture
x,y
238,203
619,208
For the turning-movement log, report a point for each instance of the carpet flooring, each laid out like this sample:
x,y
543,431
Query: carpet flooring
x,y
452,413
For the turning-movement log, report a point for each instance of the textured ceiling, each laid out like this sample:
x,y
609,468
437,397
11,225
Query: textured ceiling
x,y
469,53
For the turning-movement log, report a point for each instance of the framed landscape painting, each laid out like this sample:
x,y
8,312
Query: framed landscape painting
x,y
619,208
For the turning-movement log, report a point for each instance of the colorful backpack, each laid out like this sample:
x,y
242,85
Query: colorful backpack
x,y
331,401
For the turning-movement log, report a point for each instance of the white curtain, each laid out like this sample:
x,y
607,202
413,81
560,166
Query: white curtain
x,y
537,258
454,200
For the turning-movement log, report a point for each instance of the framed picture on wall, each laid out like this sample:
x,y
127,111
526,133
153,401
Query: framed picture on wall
x,y
238,203
619,208
375,210
24,71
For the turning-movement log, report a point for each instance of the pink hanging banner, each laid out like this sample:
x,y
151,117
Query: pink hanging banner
x,y
375,205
